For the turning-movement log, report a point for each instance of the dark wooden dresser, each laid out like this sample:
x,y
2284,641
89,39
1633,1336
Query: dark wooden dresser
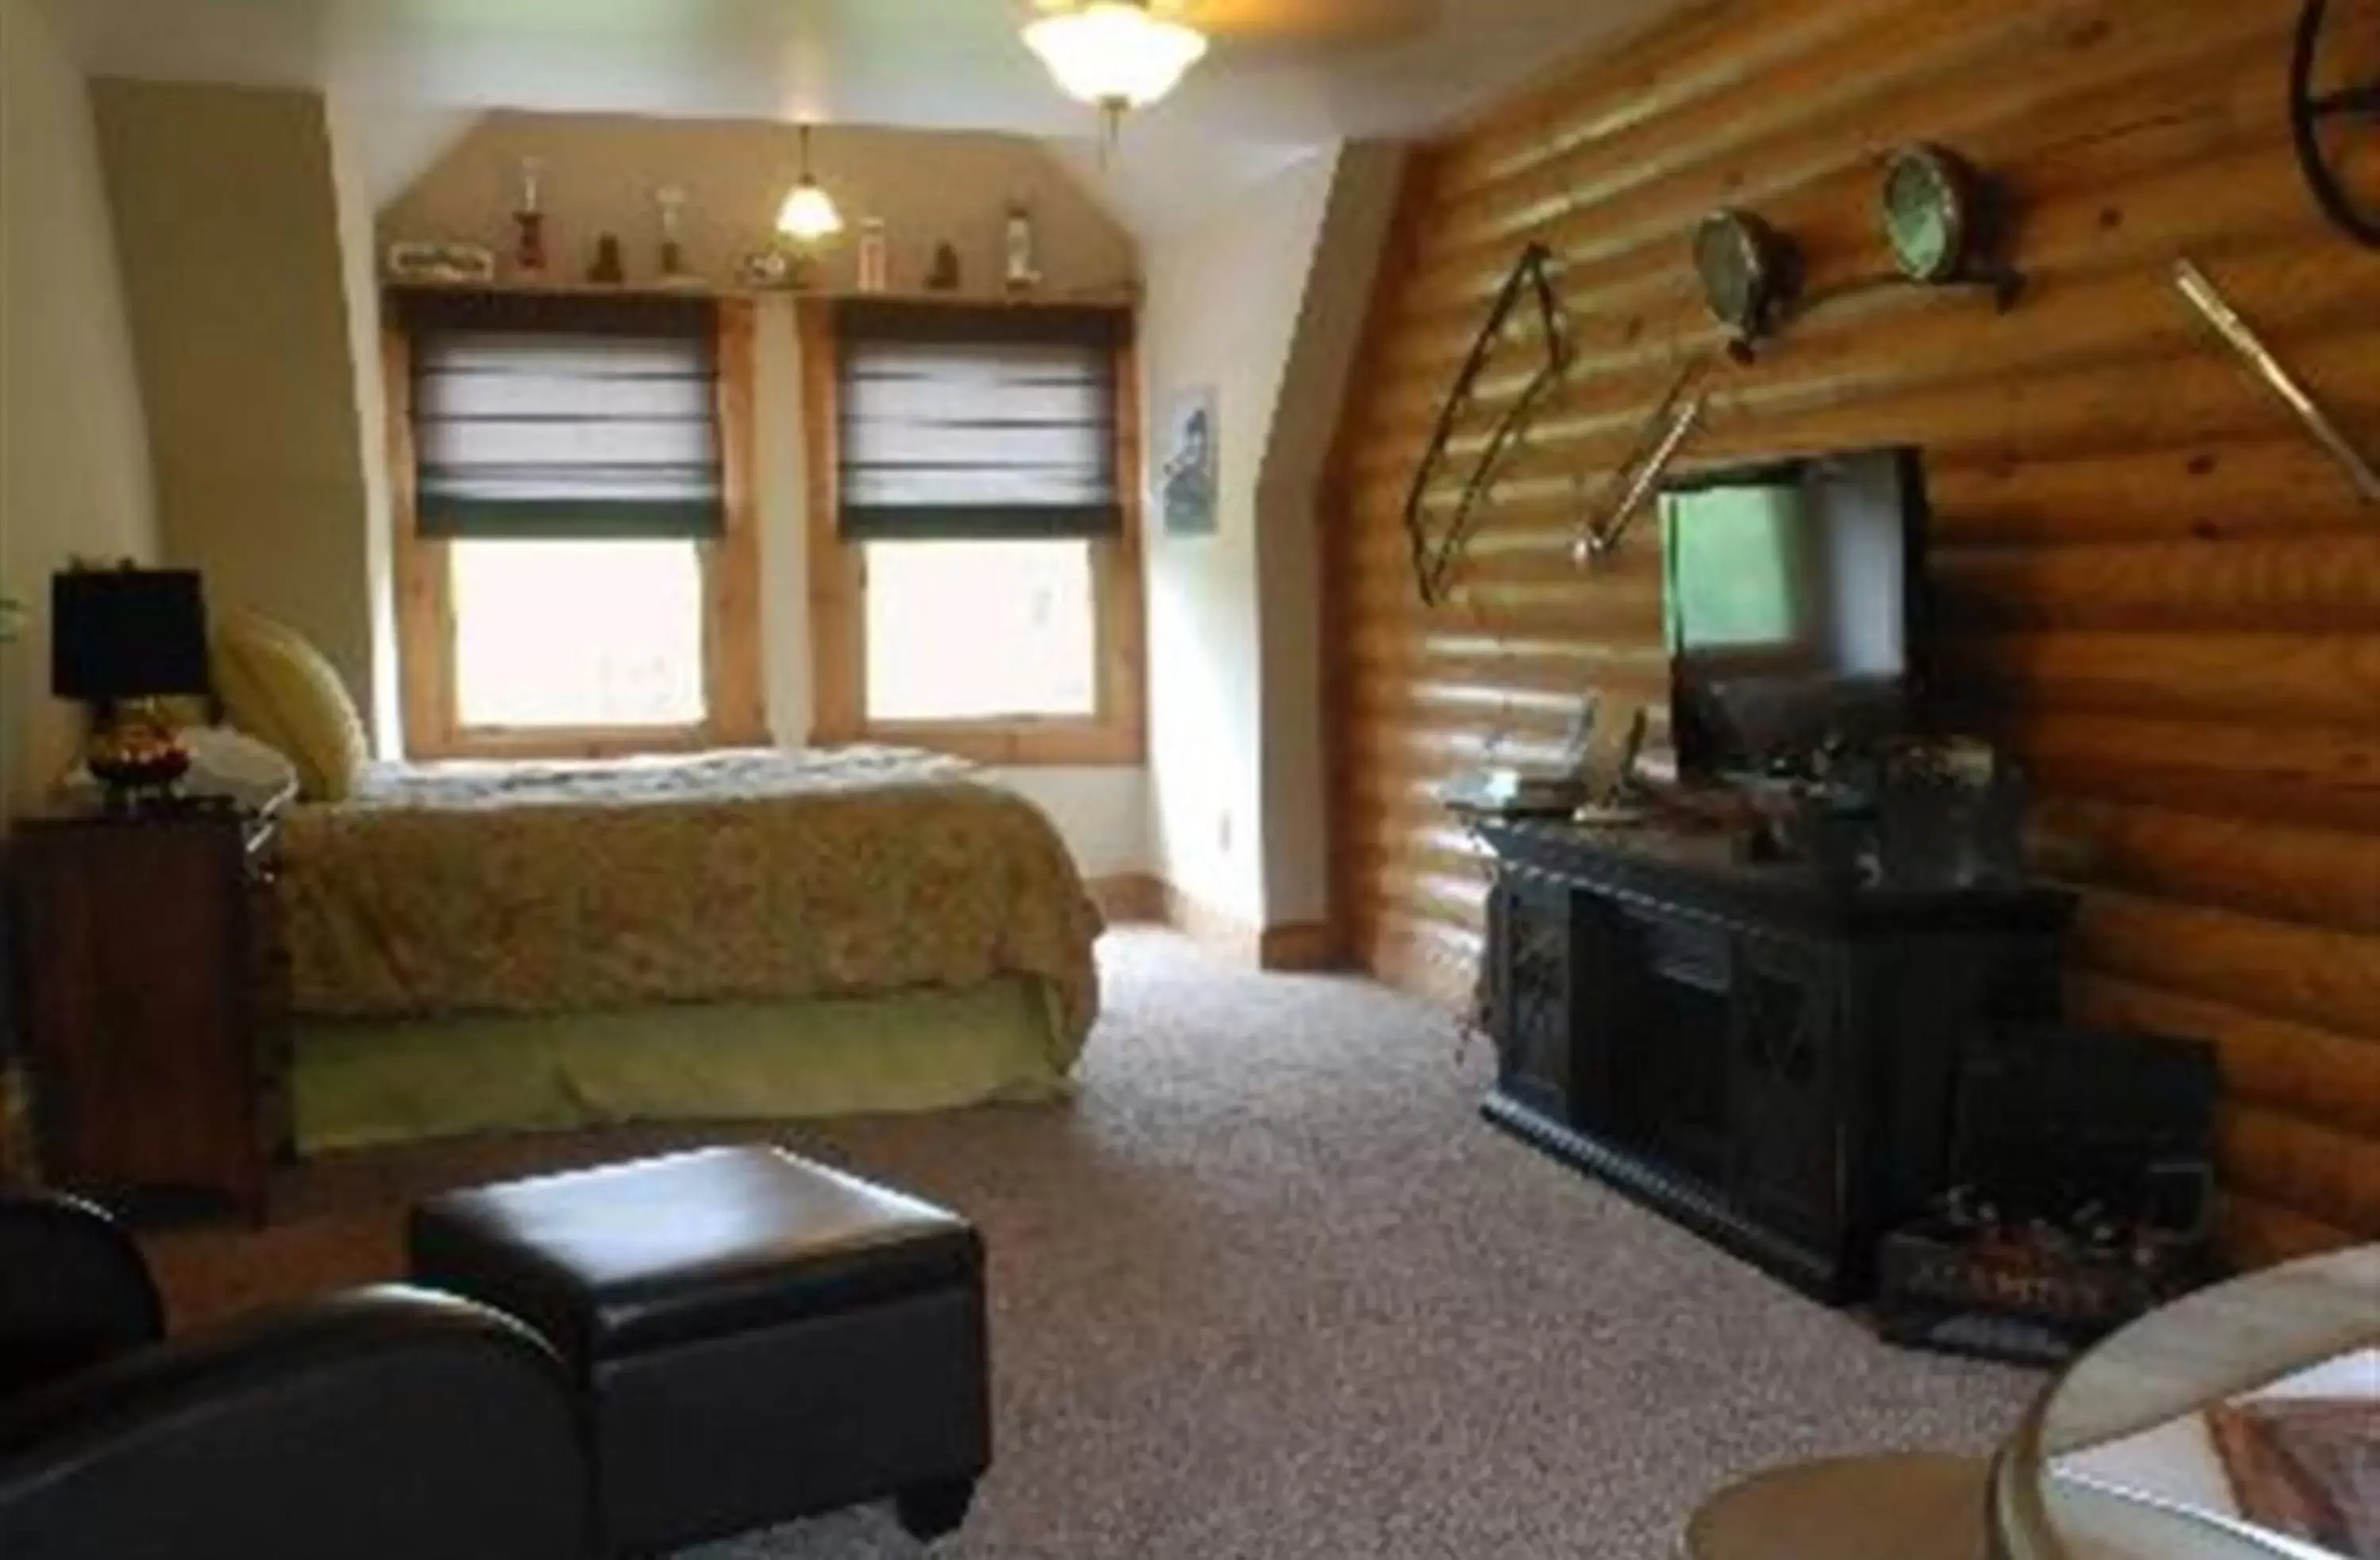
x,y
155,1012
1761,1054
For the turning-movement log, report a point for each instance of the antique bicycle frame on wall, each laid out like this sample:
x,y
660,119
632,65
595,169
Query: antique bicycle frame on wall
x,y
1434,558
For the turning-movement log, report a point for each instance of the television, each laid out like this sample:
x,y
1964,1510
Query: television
x,y
1793,599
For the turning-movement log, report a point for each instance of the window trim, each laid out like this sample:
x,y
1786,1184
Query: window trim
x,y
731,569
1117,734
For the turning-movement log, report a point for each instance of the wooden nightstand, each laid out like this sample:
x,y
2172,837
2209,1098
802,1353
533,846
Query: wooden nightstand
x,y
155,1003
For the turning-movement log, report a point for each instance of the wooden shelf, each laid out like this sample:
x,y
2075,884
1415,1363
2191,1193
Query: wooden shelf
x,y
1120,298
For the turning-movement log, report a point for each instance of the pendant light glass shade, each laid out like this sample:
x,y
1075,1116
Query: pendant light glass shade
x,y
809,215
1114,52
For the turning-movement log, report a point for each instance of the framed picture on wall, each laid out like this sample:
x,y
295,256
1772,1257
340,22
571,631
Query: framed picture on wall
x,y
1186,474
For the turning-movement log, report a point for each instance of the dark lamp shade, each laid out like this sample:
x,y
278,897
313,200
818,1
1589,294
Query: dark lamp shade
x,y
126,633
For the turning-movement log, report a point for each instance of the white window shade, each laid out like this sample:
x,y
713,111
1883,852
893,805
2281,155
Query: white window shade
x,y
556,419
972,424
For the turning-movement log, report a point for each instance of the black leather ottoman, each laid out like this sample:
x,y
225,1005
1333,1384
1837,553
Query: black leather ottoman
x,y
757,1337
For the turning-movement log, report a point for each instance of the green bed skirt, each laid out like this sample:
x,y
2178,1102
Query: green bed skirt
x,y
358,1084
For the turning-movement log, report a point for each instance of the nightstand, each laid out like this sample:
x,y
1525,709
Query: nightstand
x,y
155,1009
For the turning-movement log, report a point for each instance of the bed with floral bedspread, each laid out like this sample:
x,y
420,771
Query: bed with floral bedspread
x,y
741,876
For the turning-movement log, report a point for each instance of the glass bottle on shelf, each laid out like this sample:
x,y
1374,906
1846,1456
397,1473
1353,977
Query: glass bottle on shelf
x,y
529,220
670,201
875,257
1021,274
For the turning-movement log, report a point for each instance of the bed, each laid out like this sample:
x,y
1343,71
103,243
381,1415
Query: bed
x,y
751,933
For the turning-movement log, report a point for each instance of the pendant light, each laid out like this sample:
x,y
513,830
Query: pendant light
x,y
809,215
1115,55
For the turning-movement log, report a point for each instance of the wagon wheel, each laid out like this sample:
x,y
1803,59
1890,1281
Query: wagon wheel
x,y
2316,116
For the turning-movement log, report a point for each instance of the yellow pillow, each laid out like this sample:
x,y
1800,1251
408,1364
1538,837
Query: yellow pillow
x,y
276,687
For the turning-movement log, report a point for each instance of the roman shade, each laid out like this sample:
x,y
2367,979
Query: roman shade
x,y
563,418
971,423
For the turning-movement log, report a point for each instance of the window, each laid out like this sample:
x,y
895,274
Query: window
x,y
974,555
574,554
1032,599
576,634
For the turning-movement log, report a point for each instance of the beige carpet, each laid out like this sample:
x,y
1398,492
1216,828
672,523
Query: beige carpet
x,y
1269,1289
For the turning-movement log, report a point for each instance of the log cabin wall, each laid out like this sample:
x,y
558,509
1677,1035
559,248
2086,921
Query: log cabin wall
x,y
2146,579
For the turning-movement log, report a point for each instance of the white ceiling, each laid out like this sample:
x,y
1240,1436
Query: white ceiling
x,y
1285,77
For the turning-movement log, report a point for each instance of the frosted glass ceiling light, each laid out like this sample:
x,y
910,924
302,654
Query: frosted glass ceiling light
x,y
1117,55
809,215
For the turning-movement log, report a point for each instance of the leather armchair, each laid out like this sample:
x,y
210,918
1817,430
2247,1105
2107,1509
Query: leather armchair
x,y
379,1425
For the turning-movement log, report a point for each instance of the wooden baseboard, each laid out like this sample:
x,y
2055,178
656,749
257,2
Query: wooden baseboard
x,y
1306,945
1128,897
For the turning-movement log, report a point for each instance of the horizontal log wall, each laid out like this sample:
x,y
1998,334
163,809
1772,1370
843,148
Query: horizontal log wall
x,y
2146,580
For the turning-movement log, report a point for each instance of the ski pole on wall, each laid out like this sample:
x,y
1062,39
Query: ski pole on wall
x,y
1666,431
2242,338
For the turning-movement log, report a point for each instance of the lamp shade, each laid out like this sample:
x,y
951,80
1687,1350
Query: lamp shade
x,y
808,214
126,633
1115,52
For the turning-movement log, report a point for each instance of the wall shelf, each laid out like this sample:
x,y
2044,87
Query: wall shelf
x,y
1118,298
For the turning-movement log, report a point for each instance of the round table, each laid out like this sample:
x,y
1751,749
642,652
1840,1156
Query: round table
x,y
2210,1345
1902,1506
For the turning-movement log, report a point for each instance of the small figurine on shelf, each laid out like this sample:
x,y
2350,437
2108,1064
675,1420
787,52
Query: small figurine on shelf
x,y
875,257
1024,274
669,200
529,220
414,260
607,270
765,268
944,277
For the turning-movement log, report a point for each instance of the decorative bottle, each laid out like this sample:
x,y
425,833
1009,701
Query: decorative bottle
x,y
670,200
1022,275
529,220
875,259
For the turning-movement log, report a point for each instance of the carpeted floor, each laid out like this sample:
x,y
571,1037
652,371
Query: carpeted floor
x,y
1270,1289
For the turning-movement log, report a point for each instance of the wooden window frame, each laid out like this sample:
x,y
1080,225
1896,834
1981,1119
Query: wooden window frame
x,y
1115,734
735,710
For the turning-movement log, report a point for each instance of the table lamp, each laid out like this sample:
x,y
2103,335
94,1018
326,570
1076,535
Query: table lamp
x,y
122,639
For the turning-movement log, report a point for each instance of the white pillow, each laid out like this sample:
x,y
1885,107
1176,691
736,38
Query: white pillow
x,y
224,763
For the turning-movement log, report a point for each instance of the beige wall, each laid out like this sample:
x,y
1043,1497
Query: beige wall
x,y
229,221
1264,303
1221,312
1289,498
74,457
351,125
601,172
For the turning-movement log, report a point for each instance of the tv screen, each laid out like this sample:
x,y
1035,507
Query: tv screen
x,y
1792,598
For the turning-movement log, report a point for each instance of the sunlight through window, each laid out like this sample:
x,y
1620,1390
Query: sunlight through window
x,y
980,630
587,635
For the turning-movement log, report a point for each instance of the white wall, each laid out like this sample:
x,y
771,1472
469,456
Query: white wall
x,y
1265,303
1222,309
1289,544
74,450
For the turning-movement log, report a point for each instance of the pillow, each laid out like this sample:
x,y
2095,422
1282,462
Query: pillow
x,y
276,687
233,765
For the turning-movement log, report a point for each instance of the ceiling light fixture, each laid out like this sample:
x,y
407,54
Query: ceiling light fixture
x,y
1116,55
809,215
